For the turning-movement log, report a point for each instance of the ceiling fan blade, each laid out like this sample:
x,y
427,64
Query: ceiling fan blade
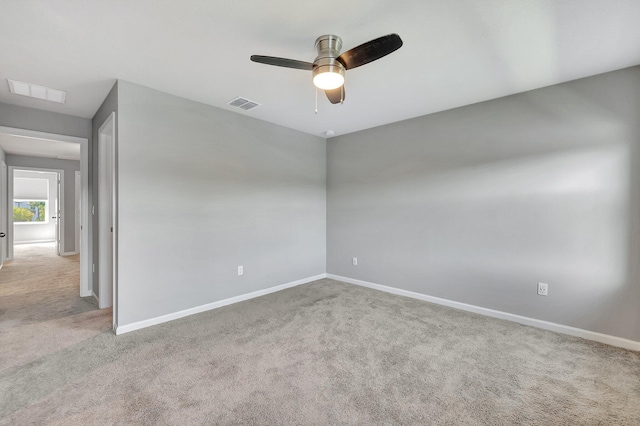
x,y
370,51
336,96
282,62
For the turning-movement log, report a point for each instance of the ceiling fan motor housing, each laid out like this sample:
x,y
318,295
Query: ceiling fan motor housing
x,y
328,47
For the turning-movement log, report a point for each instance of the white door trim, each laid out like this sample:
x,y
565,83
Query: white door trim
x,y
86,254
77,211
4,211
41,135
107,229
61,215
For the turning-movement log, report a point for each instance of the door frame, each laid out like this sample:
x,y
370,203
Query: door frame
x,y
77,210
107,229
4,199
86,252
60,214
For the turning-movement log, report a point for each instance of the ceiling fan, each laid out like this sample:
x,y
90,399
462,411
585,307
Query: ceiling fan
x,y
329,66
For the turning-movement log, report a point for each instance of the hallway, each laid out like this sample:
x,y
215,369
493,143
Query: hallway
x,y
38,286
40,307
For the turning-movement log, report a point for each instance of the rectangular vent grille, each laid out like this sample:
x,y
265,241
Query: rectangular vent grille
x,y
242,103
38,92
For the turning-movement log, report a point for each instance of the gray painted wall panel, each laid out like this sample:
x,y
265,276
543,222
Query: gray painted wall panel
x,y
203,190
44,121
479,203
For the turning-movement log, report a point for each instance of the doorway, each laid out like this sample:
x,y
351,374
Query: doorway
x,y
37,202
106,216
21,143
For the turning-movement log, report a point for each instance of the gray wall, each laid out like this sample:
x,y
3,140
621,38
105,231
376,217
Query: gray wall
x,y
44,121
109,105
69,167
478,204
203,190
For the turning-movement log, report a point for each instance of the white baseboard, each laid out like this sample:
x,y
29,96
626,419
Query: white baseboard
x,y
19,243
120,329
69,253
545,325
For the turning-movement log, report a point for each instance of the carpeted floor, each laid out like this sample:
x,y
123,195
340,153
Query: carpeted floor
x,y
40,306
38,286
323,353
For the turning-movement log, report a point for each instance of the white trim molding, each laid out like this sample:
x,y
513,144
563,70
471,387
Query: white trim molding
x,y
120,329
69,253
33,242
25,133
545,325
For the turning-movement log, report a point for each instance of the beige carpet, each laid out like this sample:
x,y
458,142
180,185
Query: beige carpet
x,y
40,305
324,353
39,286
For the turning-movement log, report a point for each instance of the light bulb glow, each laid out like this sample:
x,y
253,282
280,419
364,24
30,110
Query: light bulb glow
x,y
328,80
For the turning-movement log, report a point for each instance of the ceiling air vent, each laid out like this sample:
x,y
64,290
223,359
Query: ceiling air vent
x,y
39,92
243,103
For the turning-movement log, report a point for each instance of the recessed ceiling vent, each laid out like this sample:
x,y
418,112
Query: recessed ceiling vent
x,y
243,103
38,92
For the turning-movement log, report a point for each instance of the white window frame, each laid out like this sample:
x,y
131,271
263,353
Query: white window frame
x,y
46,211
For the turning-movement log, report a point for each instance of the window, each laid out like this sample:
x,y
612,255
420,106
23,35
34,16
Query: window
x,y
30,211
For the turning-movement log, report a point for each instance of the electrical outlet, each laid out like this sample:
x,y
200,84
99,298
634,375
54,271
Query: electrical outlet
x,y
240,270
354,261
543,289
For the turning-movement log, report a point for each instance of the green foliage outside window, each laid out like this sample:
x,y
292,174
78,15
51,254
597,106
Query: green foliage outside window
x,y
29,211
20,214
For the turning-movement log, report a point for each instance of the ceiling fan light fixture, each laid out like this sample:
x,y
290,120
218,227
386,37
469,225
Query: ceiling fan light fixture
x,y
328,74
328,80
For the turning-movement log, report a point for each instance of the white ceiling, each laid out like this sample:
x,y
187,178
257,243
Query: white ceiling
x,y
36,147
455,52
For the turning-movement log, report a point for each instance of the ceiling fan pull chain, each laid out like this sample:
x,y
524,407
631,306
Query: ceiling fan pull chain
x,y
316,101
342,94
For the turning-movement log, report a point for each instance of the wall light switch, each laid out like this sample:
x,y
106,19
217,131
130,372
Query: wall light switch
x,y
354,261
240,270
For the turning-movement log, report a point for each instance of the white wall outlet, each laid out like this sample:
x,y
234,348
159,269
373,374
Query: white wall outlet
x,y
240,270
354,261
543,289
